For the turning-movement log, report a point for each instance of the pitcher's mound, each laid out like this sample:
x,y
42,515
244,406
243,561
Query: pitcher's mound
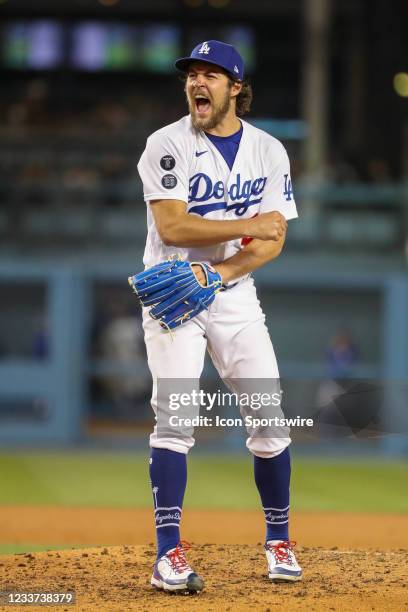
x,y
118,579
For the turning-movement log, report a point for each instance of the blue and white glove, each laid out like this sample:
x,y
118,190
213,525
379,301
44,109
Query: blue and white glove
x,y
173,291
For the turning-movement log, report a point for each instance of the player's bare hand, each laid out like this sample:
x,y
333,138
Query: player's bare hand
x,y
268,226
199,274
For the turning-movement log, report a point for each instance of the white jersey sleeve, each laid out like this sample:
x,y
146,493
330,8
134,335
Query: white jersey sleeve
x,y
278,193
163,169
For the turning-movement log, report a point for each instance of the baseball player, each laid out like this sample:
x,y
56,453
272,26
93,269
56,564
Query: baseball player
x,y
218,192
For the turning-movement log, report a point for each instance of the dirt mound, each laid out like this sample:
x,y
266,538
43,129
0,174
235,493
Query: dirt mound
x,y
117,579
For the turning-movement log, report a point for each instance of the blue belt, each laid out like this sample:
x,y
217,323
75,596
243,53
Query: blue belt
x,y
225,287
237,282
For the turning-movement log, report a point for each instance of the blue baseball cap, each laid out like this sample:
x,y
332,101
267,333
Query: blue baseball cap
x,y
218,53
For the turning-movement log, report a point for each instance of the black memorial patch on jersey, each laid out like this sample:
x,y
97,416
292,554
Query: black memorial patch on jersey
x,y
167,162
169,181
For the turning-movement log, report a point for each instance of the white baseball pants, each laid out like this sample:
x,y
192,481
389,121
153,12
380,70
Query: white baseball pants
x,y
233,331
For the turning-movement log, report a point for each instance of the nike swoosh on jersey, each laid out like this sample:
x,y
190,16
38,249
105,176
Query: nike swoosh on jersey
x,y
198,153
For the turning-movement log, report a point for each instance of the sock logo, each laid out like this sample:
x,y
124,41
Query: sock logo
x,y
273,518
155,491
166,517
276,516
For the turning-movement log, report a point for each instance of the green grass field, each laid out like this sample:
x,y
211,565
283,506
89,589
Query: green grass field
x,y
121,480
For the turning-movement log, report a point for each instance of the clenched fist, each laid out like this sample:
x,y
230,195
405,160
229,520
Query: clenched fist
x,y
268,226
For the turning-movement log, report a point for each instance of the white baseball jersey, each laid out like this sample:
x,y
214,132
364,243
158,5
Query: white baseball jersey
x,y
181,163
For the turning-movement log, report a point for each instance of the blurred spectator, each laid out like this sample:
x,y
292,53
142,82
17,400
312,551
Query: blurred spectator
x,y
341,354
16,115
41,342
378,171
31,108
111,115
80,184
340,170
121,342
347,406
33,182
114,177
341,357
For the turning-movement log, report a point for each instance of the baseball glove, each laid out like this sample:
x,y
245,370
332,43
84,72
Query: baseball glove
x,y
173,291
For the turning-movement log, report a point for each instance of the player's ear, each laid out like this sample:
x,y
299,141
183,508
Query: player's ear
x,y
236,87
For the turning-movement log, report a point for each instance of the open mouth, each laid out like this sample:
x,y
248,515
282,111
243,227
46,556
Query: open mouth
x,y
203,104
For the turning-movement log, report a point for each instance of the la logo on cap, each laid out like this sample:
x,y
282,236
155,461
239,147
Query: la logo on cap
x,y
205,48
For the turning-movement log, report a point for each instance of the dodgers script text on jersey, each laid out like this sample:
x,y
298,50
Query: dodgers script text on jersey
x,y
181,163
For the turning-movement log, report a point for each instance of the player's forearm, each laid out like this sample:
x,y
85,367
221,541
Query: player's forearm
x,y
192,231
256,254
176,227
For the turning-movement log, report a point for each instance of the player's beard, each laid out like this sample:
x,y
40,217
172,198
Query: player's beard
x,y
216,116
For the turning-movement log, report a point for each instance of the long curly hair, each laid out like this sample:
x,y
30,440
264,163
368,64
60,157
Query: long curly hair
x,y
244,98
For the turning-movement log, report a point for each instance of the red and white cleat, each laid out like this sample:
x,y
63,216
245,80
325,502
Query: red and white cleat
x,y
172,572
282,564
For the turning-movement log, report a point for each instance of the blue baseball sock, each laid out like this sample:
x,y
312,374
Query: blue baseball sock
x,y
168,475
272,477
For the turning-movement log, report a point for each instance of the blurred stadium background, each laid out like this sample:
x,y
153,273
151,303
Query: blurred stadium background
x,y
84,82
